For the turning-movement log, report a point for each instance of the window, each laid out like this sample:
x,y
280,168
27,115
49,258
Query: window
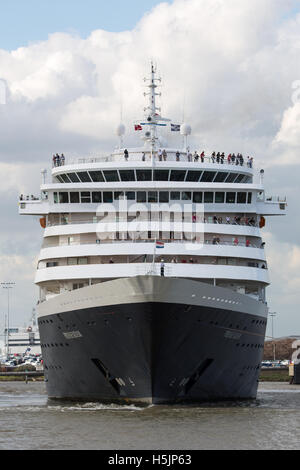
x,y
186,196
230,198
65,178
239,178
144,175
152,196
231,177
63,198
111,176
141,196
82,261
74,198
107,197
175,196
84,177
249,198
241,198
220,198
208,198
130,195
73,177
197,198
96,197
55,198
85,197
193,176
163,196
221,177
208,176
127,175
72,261
59,178
177,175
51,264
161,175
118,195
96,176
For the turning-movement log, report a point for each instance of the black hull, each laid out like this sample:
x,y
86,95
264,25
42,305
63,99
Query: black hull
x,y
153,353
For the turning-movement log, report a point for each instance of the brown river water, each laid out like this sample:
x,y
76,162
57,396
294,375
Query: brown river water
x,y
29,421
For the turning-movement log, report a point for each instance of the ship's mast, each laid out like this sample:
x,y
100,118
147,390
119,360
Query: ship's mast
x,y
153,116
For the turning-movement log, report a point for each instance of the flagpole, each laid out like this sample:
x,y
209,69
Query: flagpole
x,y
154,256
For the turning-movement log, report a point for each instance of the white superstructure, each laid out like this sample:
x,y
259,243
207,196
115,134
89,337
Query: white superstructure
x,y
108,217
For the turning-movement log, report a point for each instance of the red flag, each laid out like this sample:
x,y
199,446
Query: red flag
x,y
138,127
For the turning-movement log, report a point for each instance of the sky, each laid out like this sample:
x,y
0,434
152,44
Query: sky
x,y
231,68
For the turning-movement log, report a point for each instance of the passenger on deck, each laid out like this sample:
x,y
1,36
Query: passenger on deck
x,y
143,157
177,156
196,156
62,159
126,154
159,154
189,156
202,156
213,157
229,159
164,155
57,159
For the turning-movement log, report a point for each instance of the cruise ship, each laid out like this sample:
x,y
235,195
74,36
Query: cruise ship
x,y
152,272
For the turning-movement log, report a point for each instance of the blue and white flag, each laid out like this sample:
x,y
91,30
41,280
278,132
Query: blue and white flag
x,y
175,127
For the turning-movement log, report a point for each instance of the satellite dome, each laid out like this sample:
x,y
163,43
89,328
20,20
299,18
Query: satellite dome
x,y
120,130
185,129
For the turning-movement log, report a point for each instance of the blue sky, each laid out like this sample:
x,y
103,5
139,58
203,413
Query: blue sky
x,y
25,21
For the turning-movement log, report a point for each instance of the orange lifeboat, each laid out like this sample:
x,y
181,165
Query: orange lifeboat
x,y
262,222
43,222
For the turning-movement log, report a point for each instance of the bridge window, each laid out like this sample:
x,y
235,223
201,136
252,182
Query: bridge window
x,y
97,176
208,176
161,175
231,177
73,177
144,175
178,175
84,177
221,177
193,176
111,176
127,175
65,178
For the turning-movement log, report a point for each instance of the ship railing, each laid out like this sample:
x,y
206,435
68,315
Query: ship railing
x,y
147,157
215,242
117,220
